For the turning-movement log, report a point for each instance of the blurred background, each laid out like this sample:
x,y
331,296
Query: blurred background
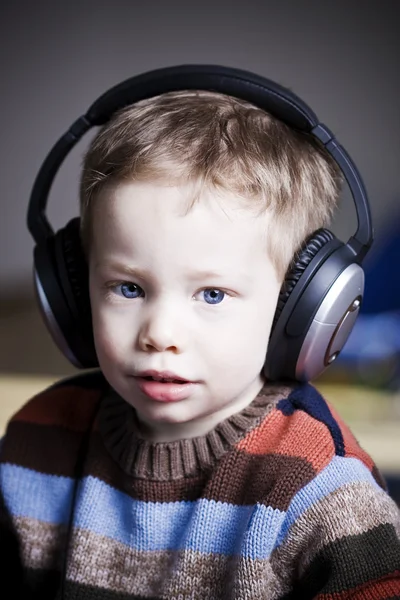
x,y
341,57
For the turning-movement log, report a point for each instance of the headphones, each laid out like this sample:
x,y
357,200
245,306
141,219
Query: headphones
x,y
323,289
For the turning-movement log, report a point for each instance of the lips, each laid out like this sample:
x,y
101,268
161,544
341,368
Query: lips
x,y
164,386
163,376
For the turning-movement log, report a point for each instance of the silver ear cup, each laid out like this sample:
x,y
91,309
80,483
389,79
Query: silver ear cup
x,y
51,321
332,324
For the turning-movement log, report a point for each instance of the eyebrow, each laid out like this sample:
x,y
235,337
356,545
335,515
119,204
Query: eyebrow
x,y
131,271
194,275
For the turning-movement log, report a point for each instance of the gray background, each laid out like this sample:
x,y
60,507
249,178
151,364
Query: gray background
x,y
341,57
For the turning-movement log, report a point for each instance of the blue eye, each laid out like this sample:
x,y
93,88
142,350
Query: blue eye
x,y
131,290
213,296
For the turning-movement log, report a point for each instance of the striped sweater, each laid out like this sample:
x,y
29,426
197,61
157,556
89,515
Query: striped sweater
x,y
278,502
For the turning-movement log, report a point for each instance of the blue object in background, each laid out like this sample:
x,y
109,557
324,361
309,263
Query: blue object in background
x,y
382,271
371,355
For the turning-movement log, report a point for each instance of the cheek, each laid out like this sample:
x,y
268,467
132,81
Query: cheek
x,y
251,333
241,343
105,341
110,334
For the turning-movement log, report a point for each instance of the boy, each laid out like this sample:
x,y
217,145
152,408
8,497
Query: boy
x,y
178,471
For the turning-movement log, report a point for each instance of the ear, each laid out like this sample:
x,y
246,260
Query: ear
x,y
62,289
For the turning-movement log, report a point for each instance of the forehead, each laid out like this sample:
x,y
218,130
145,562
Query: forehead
x,y
143,218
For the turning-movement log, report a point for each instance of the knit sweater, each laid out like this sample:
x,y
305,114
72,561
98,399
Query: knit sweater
x,y
278,502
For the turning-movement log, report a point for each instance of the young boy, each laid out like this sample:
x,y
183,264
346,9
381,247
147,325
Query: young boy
x,y
177,470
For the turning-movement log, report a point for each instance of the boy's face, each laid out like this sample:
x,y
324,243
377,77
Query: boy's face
x,y
188,293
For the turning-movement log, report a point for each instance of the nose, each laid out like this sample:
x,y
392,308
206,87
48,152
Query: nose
x,y
161,329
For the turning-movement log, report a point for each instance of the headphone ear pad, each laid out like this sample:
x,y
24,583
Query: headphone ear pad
x,y
62,286
283,349
312,245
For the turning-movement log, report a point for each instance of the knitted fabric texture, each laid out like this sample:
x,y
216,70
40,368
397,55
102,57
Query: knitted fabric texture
x,y
278,502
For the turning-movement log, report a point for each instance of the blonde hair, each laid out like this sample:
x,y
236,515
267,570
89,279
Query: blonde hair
x,y
224,143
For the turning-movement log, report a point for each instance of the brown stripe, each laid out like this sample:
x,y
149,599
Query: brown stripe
x,y
110,565
42,544
346,516
361,564
271,480
55,454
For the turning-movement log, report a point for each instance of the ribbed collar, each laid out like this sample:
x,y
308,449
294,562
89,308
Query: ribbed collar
x,y
167,461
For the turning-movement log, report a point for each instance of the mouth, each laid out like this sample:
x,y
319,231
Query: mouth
x,y
162,377
164,386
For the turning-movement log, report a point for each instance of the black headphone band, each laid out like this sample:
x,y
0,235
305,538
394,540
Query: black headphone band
x,y
265,94
257,90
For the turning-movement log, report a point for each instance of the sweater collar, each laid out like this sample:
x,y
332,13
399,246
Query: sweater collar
x,y
167,461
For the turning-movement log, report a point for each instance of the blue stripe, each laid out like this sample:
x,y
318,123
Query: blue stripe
x,y
204,526
30,494
339,472
261,537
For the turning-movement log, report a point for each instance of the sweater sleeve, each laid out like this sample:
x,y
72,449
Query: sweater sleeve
x,y
10,560
29,559
346,531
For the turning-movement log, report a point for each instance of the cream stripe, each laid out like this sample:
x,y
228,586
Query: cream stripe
x,y
185,575
350,510
42,544
102,562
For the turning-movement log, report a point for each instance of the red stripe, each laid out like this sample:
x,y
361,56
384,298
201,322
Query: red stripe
x,y
59,407
387,587
297,435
